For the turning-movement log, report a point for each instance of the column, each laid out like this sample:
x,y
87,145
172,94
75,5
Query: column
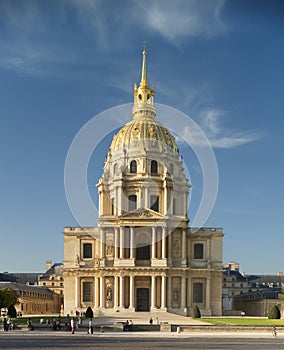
x,y
164,241
153,242
183,256
102,291
189,292
170,248
102,243
183,292
119,200
169,294
121,292
115,305
131,242
146,197
121,254
116,242
77,292
97,291
165,198
153,292
184,212
208,294
163,293
131,289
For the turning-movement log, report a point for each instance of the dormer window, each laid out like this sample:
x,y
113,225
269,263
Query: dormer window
x,y
133,166
154,167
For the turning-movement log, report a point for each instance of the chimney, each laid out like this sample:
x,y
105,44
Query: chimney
x,y
280,273
48,264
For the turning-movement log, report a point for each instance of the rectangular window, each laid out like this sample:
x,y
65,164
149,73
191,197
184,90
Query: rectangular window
x,y
87,250
198,251
87,292
132,202
154,203
197,292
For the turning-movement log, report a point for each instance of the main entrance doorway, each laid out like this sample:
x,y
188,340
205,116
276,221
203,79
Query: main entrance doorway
x,y
142,299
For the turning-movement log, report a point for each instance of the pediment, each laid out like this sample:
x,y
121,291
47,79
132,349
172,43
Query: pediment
x,y
143,213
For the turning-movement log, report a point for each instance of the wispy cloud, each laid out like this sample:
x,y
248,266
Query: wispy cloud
x,y
184,19
174,21
217,134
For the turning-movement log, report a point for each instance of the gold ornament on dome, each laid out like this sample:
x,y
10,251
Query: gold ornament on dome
x,y
152,131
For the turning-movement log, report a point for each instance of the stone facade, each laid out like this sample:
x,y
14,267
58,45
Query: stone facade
x,y
143,256
34,300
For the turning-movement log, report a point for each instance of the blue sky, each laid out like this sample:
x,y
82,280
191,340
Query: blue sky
x,y
220,62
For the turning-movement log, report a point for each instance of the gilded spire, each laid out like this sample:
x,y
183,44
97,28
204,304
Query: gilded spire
x,y
143,94
144,81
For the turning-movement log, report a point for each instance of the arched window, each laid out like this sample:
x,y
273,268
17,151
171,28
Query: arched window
x,y
133,166
198,251
115,168
132,202
154,167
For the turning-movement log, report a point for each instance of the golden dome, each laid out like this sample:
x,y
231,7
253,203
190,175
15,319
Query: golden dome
x,y
146,133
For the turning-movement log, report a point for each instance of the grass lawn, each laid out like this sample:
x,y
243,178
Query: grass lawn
x,y
245,321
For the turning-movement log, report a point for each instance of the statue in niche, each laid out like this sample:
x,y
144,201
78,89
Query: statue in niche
x,y
109,294
109,247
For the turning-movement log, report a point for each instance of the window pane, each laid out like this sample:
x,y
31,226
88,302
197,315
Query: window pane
x,y
198,292
87,291
143,252
154,203
132,202
198,251
154,167
87,250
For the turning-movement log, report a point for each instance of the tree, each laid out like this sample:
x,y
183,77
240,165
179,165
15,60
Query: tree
x,y
8,297
12,312
196,312
274,313
89,312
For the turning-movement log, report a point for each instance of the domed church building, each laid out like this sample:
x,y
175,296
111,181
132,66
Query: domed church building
x,y
143,256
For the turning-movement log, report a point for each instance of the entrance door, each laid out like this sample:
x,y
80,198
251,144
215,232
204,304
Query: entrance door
x,y
142,299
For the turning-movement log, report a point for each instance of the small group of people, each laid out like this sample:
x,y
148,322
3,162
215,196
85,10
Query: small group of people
x,y
128,325
151,321
55,325
8,324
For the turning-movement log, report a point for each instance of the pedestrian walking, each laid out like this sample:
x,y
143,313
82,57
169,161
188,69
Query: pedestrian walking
x,y
91,327
73,325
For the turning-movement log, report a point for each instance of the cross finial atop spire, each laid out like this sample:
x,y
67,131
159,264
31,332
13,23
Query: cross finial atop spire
x,y
144,71
144,44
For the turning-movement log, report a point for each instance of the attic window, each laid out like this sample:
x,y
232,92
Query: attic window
x,y
198,251
87,250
